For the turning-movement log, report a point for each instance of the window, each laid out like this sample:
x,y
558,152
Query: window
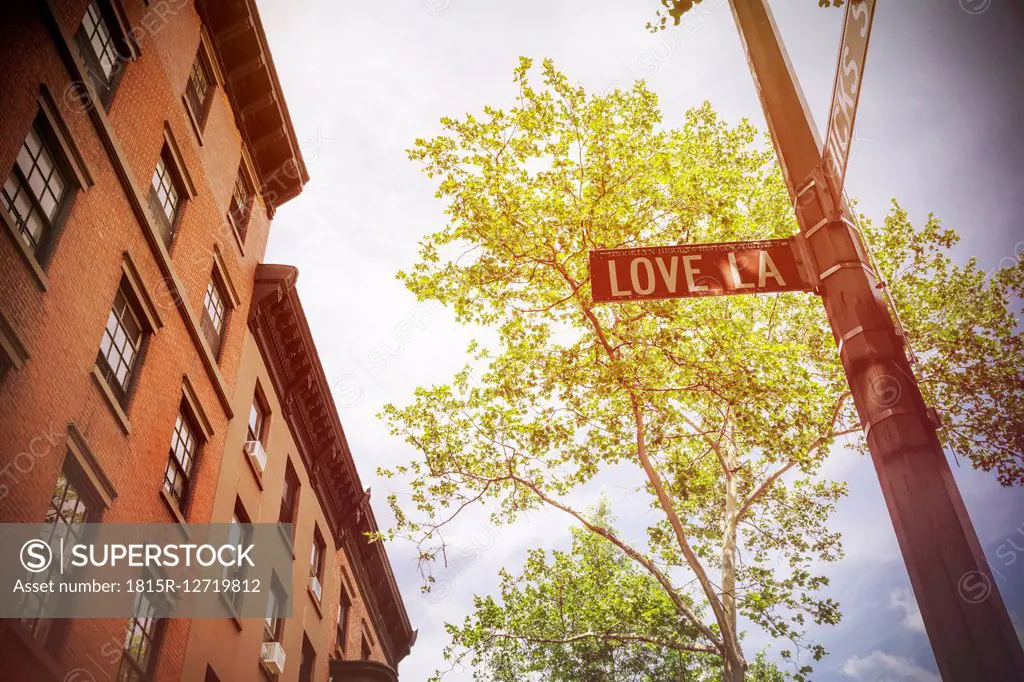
x,y
307,663
241,203
140,641
13,354
316,562
210,675
257,417
316,557
67,509
289,496
98,40
121,344
214,314
344,604
365,652
67,506
165,196
275,609
181,459
240,534
199,89
38,189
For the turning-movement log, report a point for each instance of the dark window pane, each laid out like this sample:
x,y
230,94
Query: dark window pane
x,y
198,88
241,202
289,496
307,662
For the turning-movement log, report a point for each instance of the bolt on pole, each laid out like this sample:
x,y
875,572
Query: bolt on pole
x,y
967,623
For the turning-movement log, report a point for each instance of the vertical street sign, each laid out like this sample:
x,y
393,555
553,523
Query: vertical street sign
x,y
690,270
846,92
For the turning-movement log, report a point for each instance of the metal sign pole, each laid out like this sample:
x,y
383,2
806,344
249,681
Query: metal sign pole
x,y
968,626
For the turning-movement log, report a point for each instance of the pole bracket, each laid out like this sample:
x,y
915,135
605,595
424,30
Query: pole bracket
x,y
853,264
886,414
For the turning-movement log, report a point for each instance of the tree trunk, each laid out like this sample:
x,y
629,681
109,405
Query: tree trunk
x,y
734,666
733,671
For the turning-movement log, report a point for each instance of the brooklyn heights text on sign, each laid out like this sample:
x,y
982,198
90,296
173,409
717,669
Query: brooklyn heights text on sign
x,y
687,270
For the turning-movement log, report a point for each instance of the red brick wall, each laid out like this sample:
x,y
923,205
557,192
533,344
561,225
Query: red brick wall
x,y
61,327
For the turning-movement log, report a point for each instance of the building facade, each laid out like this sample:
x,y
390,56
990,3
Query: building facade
x,y
289,463
144,147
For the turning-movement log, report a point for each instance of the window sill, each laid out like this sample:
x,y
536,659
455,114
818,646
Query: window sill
x,y
111,400
34,266
172,507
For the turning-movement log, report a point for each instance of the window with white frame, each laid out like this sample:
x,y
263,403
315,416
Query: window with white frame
x,y
181,459
199,88
239,534
100,42
165,196
140,641
69,508
241,203
214,314
257,417
273,623
121,344
38,188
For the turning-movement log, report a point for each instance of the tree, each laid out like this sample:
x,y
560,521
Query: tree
x,y
589,614
724,407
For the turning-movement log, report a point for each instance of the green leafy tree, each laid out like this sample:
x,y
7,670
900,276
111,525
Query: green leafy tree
x,y
589,614
724,407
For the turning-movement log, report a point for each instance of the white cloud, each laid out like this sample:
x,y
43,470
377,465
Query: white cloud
x,y
879,666
902,598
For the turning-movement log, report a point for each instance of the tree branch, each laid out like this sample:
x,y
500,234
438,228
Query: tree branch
x,y
818,442
608,636
662,579
728,637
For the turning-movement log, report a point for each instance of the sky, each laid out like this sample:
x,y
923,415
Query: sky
x,y
938,128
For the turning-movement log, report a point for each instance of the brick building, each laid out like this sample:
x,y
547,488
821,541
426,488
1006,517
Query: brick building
x,y
145,145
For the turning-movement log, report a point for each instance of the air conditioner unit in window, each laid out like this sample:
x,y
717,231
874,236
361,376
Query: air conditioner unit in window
x,y
257,455
272,657
314,585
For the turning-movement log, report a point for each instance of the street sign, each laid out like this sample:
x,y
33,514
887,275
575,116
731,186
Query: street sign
x,y
688,270
846,92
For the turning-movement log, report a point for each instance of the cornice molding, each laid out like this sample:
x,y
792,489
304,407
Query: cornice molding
x,y
254,91
282,334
